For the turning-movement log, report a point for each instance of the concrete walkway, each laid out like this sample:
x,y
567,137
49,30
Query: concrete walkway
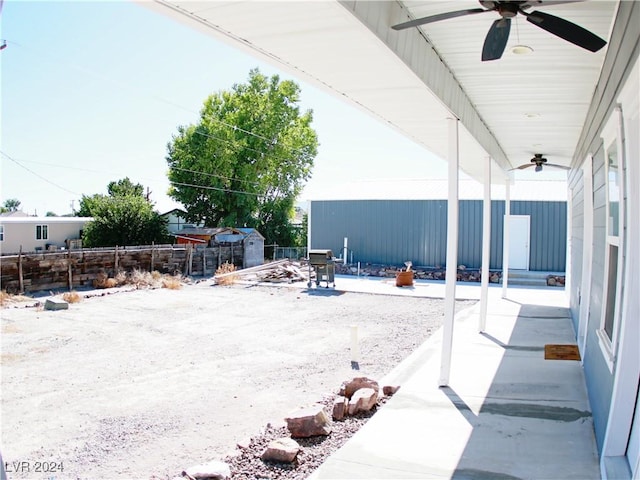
x,y
507,414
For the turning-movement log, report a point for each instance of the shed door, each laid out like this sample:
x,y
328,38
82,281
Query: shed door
x,y
519,242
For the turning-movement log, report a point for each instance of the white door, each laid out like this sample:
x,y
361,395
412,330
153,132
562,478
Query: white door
x,y
519,242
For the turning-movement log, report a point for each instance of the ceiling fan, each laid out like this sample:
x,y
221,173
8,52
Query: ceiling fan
x,y
538,161
496,39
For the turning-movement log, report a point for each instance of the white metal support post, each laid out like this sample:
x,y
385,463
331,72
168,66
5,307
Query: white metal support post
x,y
452,254
486,245
505,238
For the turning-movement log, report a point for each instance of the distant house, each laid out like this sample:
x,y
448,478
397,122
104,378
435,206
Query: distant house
x,y
250,239
199,235
33,234
16,213
176,220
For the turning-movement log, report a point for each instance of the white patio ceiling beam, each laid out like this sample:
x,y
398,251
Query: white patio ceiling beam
x,y
419,55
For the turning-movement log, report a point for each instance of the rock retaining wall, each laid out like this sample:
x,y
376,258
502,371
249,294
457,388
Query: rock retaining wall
x,y
29,272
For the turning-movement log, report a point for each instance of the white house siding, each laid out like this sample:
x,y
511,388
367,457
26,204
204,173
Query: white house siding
x,y
612,384
21,232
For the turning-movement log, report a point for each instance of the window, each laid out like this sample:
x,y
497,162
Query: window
x,y
42,232
1,233
613,261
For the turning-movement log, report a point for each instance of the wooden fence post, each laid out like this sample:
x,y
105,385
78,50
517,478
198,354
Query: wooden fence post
x,y
115,264
70,270
204,262
188,261
20,277
232,261
152,257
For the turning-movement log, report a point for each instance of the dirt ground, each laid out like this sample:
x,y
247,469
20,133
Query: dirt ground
x,y
147,383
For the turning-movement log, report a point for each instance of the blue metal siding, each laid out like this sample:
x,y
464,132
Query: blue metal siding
x,y
394,231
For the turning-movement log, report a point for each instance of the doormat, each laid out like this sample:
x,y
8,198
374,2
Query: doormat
x,y
561,352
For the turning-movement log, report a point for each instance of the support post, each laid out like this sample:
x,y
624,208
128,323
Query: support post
x,y
308,227
452,254
153,255
345,250
69,270
486,245
505,238
20,276
115,262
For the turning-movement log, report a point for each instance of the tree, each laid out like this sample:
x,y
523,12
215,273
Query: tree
x,y
11,205
51,214
125,187
124,217
246,160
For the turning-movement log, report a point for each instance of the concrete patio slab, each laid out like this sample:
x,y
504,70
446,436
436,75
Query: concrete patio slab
x,y
507,413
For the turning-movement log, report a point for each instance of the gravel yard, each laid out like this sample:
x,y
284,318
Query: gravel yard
x,y
143,384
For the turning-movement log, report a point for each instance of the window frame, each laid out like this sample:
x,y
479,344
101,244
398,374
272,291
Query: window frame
x,y
42,231
612,136
1,233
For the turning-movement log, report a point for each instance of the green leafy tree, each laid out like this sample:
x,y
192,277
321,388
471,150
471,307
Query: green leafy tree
x,y
246,160
124,217
51,214
125,187
11,205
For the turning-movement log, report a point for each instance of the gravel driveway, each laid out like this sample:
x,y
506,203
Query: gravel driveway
x,y
146,383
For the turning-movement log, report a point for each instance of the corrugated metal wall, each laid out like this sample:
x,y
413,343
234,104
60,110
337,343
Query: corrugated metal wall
x,y
392,231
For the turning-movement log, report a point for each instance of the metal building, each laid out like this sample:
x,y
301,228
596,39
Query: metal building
x,y
390,232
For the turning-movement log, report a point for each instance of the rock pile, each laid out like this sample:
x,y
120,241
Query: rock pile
x,y
422,273
555,281
311,434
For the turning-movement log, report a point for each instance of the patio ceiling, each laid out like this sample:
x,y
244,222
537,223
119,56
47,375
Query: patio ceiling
x,y
413,80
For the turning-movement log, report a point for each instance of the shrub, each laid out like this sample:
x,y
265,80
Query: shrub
x,y
71,297
226,268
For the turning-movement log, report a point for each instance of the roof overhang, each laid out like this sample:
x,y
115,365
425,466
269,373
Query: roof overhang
x,y
415,80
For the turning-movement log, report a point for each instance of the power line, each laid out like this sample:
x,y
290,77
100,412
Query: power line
x,y
36,174
227,141
227,190
206,187
217,176
129,86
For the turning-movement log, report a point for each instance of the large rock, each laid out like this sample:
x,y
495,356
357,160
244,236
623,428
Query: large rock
x,y
357,383
362,400
55,304
340,404
213,470
281,450
389,390
308,422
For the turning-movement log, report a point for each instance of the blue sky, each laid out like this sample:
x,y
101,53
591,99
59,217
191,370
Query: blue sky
x,y
93,91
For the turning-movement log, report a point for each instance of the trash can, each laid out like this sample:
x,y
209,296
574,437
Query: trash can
x,y
324,264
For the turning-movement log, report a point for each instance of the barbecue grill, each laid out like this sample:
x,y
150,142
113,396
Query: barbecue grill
x,y
324,264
